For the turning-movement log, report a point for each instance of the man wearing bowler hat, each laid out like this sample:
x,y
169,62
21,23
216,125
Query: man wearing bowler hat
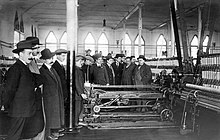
x,y
52,96
20,91
58,65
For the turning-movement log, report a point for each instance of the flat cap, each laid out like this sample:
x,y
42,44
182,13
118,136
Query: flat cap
x,y
59,51
89,58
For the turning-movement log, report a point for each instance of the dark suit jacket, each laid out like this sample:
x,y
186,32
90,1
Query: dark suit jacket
x,y
99,75
53,98
110,74
145,73
118,72
20,94
79,83
128,75
61,72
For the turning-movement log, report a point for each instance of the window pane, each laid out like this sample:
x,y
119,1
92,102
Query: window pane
x,y
51,42
52,47
63,46
103,44
127,45
90,43
194,41
205,42
136,47
161,40
51,38
16,37
160,51
64,38
194,52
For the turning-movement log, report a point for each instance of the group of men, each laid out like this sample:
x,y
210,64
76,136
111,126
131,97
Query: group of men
x,y
35,96
119,70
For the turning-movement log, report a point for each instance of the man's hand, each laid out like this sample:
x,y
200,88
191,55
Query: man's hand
x,y
84,96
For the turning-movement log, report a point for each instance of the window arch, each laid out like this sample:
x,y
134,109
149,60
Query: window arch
x,y
194,46
136,46
90,43
51,42
161,46
103,44
63,41
127,45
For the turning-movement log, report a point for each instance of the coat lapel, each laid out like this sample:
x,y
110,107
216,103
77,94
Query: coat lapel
x,y
49,73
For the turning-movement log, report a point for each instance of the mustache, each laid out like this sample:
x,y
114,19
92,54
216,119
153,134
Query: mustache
x,y
30,58
51,62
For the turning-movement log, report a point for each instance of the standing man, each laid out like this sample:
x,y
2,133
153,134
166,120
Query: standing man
x,y
60,69
86,68
128,72
80,92
98,72
110,71
20,91
118,68
52,96
143,76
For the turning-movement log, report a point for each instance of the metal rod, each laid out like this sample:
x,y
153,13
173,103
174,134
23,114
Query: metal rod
x,y
207,89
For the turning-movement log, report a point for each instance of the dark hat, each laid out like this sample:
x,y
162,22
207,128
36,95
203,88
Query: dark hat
x,y
34,40
79,57
59,51
97,56
46,54
108,57
24,44
142,57
88,50
119,55
89,58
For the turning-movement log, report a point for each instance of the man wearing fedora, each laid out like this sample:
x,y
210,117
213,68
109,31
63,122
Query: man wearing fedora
x,y
142,76
118,68
58,65
20,92
52,96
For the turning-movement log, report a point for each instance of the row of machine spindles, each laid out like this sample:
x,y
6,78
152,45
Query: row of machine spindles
x,y
210,66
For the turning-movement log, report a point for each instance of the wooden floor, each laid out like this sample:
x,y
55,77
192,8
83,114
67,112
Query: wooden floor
x,y
127,134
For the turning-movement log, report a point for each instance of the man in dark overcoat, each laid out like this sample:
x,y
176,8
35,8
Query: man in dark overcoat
x,y
60,69
143,76
128,72
110,71
52,96
80,93
118,68
98,72
20,91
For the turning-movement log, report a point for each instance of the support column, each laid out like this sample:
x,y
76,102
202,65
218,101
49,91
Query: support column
x,y
139,28
72,28
123,42
183,30
176,33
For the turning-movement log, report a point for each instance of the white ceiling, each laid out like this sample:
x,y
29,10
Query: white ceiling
x,y
93,12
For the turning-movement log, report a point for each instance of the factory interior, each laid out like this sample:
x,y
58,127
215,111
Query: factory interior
x,y
178,39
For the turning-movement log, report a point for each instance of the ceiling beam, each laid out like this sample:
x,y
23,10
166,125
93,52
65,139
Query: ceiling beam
x,y
133,10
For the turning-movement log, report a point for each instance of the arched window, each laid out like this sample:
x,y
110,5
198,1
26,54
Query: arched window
x,y
103,45
51,42
161,47
205,43
127,45
136,46
63,41
90,43
194,46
